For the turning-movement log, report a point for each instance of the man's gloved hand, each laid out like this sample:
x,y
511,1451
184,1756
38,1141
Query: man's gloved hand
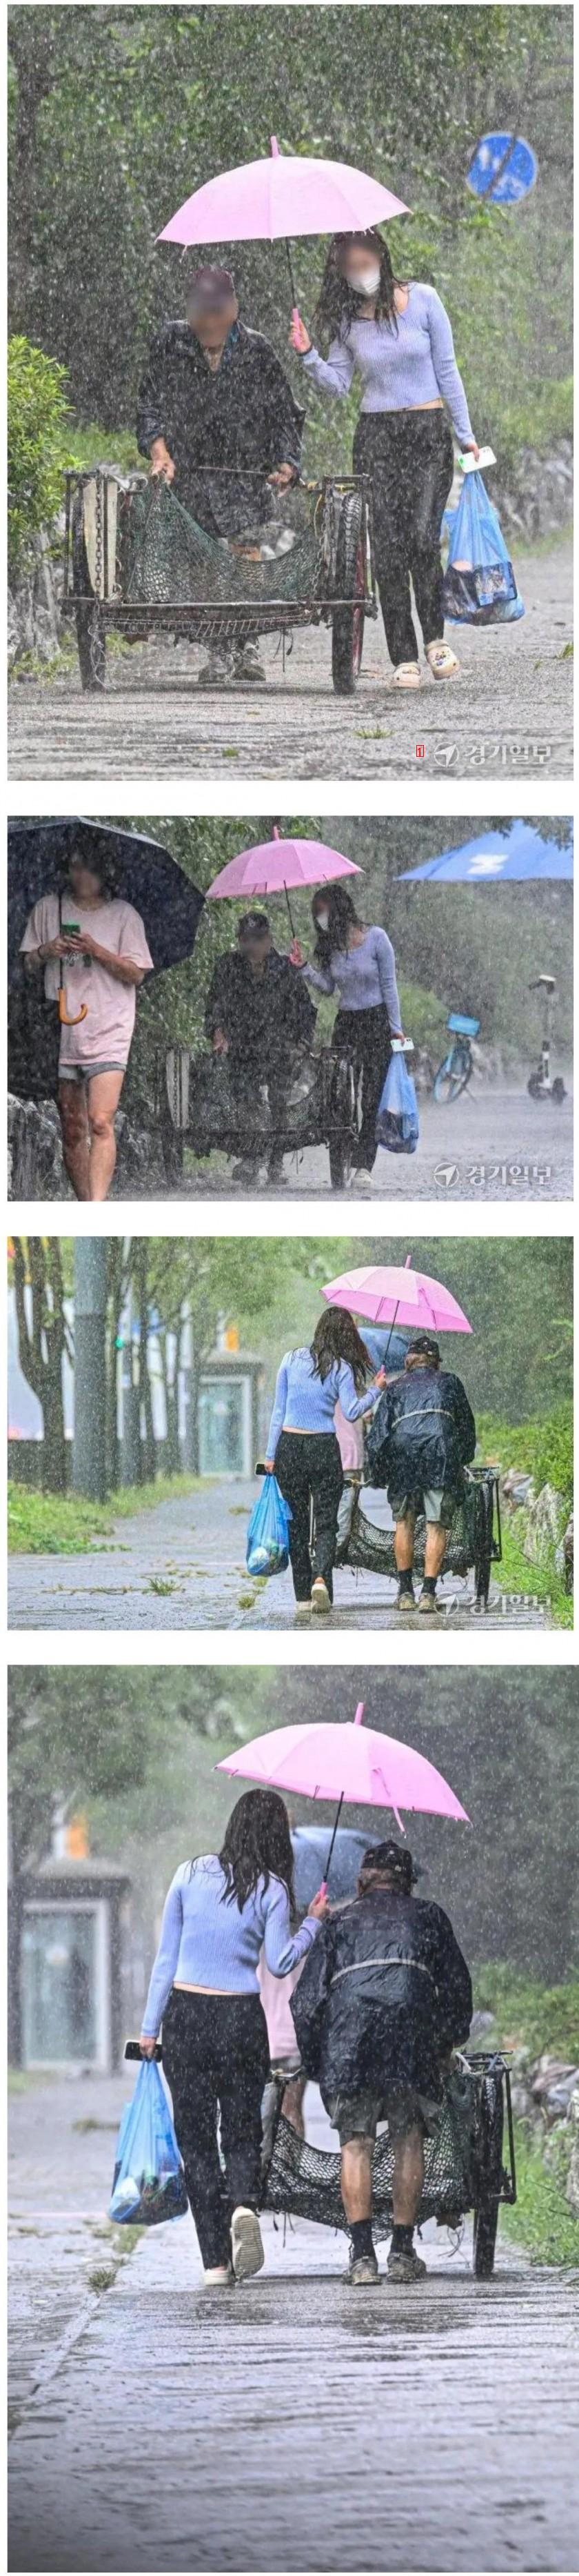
x,y
284,474
161,461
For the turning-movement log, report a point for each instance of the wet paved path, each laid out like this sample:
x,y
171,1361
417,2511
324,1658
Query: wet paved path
x,y
181,1565
491,1144
509,716
291,2425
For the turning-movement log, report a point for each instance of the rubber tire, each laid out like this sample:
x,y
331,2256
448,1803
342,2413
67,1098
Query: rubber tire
x,y
535,1087
91,644
445,1089
483,1559
340,1154
172,1149
558,1093
486,2219
348,623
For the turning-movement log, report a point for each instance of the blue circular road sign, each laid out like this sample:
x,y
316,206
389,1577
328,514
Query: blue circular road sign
x,y
503,170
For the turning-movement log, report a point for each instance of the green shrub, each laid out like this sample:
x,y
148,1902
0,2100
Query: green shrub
x,y
423,1017
38,446
544,416
552,1450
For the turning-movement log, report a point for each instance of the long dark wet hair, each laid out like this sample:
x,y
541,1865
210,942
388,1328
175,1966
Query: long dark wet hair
x,y
338,304
257,1844
336,1337
342,917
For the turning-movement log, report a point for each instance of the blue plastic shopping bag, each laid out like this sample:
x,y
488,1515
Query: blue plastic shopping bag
x,y
148,2180
397,1119
479,584
267,1549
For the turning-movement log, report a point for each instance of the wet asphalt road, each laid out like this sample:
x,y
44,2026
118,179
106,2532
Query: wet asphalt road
x,y
492,1143
182,1566
509,716
292,2424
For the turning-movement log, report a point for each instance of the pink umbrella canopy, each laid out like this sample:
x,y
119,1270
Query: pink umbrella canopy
x,y
348,1761
275,865
287,193
405,1296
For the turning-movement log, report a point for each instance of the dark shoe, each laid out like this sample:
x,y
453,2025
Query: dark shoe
x,y
362,2271
246,2243
217,672
427,1604
274,1175
245,1175
405,2267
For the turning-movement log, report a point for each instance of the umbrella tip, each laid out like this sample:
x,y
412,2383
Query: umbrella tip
x,y
274,148
359,1713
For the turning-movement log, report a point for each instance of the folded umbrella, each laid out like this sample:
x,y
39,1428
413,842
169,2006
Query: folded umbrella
x,y
145,874
346,1761
273,866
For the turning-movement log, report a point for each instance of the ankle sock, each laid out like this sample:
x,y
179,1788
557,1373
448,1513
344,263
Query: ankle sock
x,y
402,2240
361,2237
429,1584
405,1580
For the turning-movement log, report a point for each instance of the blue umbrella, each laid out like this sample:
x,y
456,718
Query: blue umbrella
x,y
144,873
310,1851
386,1348
493,856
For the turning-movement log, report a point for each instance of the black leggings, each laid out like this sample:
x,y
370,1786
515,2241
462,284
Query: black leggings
x,y
409,459
367,1035
308,1467
216,2060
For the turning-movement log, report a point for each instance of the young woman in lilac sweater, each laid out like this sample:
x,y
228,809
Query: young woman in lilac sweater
x,y
358,964
221,1912
398,338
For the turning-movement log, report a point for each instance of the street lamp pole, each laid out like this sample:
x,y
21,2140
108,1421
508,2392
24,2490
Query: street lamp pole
x,y
89,1463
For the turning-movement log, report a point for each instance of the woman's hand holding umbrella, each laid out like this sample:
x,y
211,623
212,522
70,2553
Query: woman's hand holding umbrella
x,y
319,1906
299,338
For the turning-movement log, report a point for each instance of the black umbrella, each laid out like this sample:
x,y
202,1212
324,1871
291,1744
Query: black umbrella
x,y
143,873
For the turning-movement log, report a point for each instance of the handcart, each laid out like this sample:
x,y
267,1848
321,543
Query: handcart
x,y
465,2170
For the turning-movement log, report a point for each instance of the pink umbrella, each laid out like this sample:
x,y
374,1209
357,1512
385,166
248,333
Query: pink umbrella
x,y
346,1762
388,1295
274,865
289,193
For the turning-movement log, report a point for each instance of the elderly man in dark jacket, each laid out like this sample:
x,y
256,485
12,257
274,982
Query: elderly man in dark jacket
x,y
215,397
384,1995
421,1437
256,1010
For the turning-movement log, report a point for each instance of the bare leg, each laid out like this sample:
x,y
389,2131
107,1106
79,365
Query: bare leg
x,y
292,2104
104,1092
356,2178
408,2179
404,1544
75,1136
435,1550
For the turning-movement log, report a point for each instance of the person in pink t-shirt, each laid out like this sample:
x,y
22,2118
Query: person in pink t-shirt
x,y
97,941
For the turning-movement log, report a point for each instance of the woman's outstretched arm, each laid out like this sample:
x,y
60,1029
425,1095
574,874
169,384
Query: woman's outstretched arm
x,y
279,1406
332,375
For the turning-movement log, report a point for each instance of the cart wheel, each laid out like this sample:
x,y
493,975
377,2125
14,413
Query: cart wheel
x,y
171,1147
483,1558
340,1153
486,2219
348,623
558,1090
535,1086
91,642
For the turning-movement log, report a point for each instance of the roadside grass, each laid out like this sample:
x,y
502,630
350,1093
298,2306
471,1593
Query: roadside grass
x,y
541,2219
527,2014
543,1449
69,1525
541,1583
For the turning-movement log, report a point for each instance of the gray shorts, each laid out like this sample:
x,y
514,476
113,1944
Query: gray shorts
x,y
84,1072
399,2106
433,1500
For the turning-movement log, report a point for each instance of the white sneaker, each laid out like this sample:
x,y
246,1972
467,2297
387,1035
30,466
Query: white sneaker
x,y
407,676
442,661
302,1612
320,1595
246,2243
220,2278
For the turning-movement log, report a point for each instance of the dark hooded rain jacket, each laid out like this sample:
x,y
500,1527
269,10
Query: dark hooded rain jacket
x,y
384,1993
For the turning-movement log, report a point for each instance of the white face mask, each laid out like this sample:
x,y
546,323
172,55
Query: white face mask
x,y
323,920
366,282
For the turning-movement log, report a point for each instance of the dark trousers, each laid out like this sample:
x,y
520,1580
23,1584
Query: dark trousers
x,y
216,2060
308,1467
367,1036
248,1074
409,459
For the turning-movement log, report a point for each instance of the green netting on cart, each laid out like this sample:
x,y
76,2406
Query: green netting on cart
x,y
304,2182
168,557
371,1546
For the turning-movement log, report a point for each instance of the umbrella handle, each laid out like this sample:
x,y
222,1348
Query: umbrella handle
x,y
70,1019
